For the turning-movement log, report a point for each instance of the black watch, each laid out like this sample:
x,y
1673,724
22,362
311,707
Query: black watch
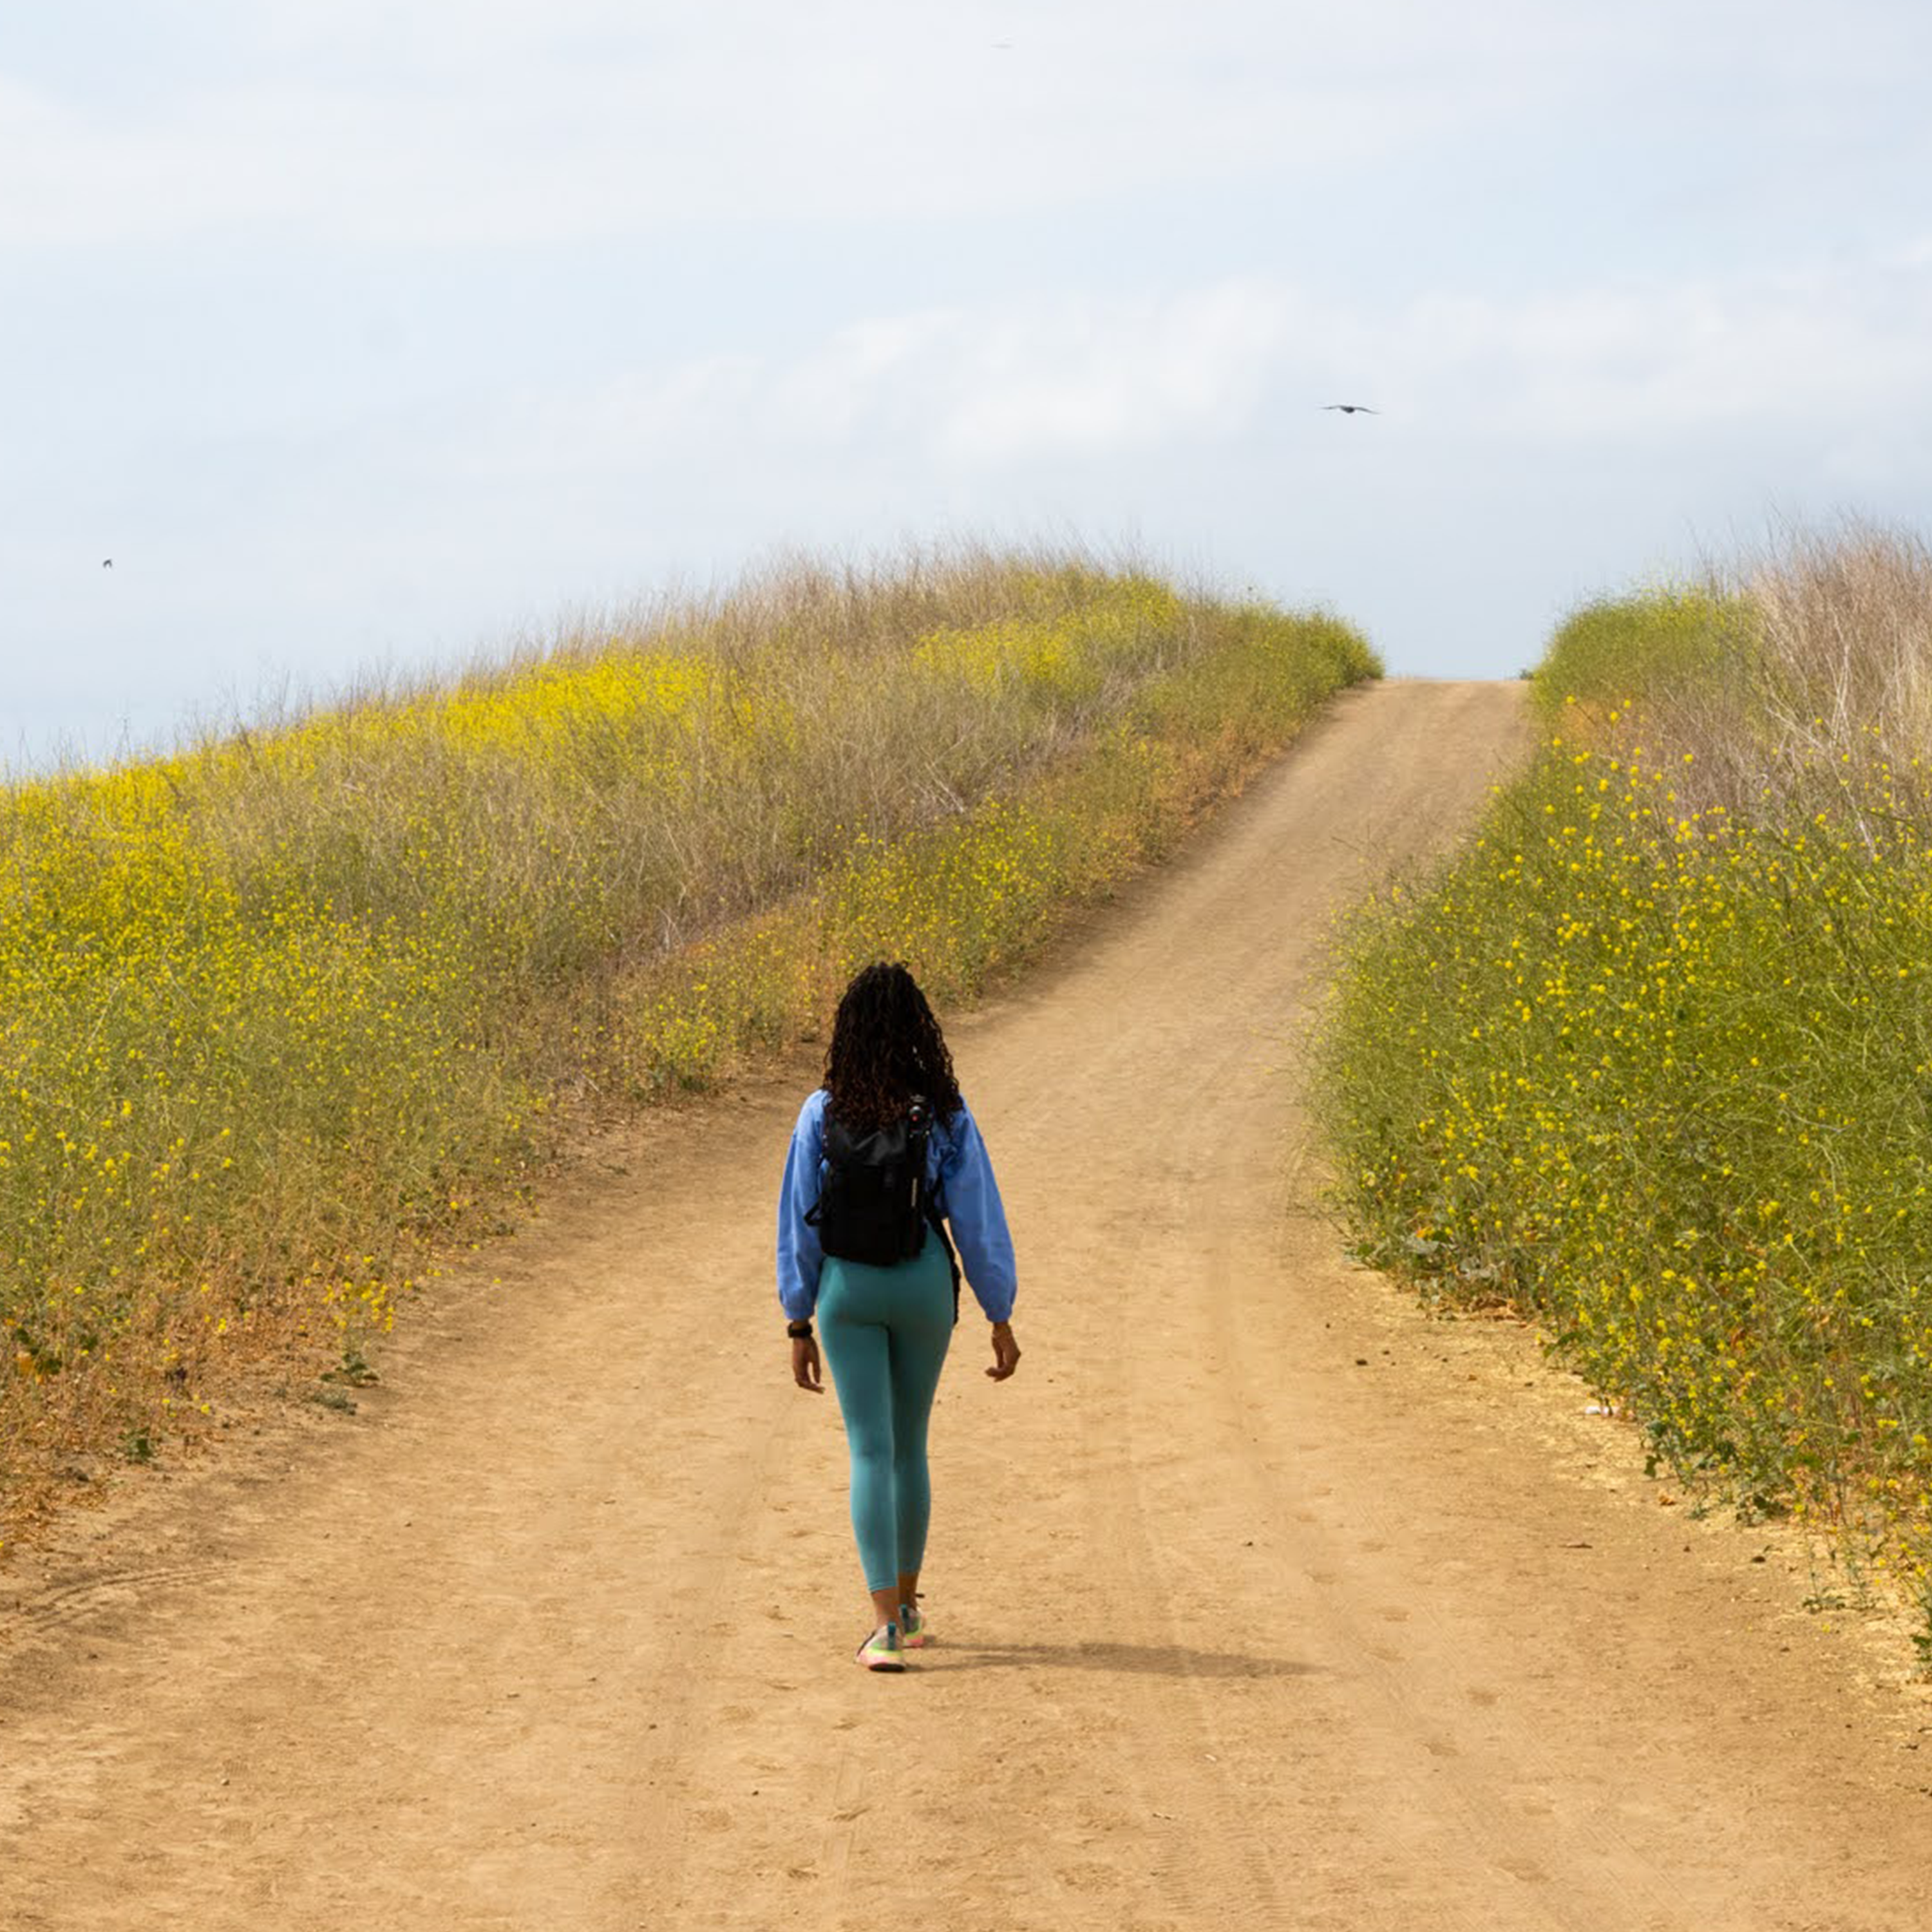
x,y
798,1331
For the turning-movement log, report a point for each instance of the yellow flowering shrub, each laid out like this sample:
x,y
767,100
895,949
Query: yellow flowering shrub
x,y
1652,1059
287,1013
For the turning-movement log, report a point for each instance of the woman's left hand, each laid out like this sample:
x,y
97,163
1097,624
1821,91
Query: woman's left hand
x,y
805,1369
1006,1351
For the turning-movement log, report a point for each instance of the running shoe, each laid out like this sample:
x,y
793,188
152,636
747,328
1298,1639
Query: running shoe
x,y
913,1632
882,1650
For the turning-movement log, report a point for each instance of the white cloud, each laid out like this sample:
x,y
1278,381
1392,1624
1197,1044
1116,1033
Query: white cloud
x,y
1620,367
995,387
621,422
1023,380
1090,379
512,122
454,121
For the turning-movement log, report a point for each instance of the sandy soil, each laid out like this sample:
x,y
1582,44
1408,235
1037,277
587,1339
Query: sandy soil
x,y
1263,1599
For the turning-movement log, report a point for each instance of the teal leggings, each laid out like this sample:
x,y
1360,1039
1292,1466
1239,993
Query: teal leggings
x,y
885,1332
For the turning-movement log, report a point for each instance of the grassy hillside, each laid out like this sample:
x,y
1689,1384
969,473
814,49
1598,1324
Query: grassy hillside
x,y
290,1012
1653,1057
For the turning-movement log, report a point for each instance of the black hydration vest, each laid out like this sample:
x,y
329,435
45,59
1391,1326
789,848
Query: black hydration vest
x,y
876,1206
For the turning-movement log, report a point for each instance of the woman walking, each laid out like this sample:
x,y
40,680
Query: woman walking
x,y
885,1157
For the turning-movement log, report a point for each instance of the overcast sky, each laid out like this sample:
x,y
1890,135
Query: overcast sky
x,y
365,334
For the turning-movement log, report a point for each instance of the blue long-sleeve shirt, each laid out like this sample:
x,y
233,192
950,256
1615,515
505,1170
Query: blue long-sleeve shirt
x,y
961,1177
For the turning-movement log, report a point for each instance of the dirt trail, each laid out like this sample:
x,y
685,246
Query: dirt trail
x,y
1262,1599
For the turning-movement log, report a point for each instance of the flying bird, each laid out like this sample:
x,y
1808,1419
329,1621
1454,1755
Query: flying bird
x,y
1352,409
107,563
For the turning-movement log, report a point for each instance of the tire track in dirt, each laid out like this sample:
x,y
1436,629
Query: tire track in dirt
x,y
1261,1600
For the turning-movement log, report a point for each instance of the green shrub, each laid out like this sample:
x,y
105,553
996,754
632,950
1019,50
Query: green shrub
x,y
1651,1058
289,1012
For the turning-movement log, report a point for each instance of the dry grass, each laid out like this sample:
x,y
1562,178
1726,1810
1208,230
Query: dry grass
x,y
1789,675
1661,1066
287,1013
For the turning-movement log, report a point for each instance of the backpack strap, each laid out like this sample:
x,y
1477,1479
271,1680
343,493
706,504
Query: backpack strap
x,y
937,1221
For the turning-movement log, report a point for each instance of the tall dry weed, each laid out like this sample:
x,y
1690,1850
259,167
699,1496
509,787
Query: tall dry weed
x,y
1652,1058
1791,677
285,1012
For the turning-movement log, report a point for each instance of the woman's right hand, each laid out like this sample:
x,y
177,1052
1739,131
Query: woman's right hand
x,y
1006,1351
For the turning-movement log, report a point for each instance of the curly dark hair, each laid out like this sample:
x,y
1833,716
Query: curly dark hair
x,y
886,1047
